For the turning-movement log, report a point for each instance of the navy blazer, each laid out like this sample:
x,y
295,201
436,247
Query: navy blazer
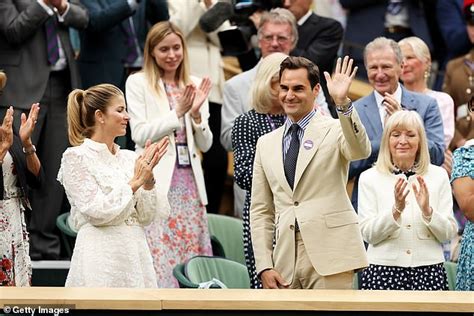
x,y
428,109
103,49
365,22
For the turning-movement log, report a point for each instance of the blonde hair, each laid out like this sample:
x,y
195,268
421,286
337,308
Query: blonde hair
x,y
152,71
403,120
3,80
81,108
420,49
267,73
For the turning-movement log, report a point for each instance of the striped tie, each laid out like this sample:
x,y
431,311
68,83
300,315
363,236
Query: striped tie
x,y
52,40
394,7
292,155
131,49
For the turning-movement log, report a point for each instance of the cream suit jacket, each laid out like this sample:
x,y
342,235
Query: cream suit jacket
x,y
328,224
152,118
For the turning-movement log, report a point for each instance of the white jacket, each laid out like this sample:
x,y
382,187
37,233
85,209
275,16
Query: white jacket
x,y
411,241
152,118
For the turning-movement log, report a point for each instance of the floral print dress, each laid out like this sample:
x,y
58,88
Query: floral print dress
x,y
15,263
185,233
463,166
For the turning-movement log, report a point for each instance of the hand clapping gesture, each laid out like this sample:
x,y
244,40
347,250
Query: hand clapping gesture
x,y
185,102
143,175
201,95
28,125
339,83
401,194
6,132
422,197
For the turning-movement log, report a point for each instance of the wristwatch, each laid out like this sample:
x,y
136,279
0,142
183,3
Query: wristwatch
x,y
31,151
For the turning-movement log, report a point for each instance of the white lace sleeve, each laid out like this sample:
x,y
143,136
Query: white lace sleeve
x,y
101,203
150,204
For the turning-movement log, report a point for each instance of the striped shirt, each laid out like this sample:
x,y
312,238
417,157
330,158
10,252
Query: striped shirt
x,y
303,123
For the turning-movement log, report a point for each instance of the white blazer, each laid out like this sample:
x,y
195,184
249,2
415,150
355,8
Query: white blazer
x,y
411,241
151,118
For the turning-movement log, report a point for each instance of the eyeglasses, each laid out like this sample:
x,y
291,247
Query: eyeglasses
x,y
279,38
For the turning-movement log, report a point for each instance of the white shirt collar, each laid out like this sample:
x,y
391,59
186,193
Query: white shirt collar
x,y
304,17
99,147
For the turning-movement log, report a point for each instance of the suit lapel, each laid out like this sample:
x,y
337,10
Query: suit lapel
x,y
277,150
408,101
372,116
314,134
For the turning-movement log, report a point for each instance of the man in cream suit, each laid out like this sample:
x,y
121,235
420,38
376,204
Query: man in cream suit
x,y
299,197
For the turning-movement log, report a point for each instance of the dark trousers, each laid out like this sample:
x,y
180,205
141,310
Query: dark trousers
x,y
214,162
50,137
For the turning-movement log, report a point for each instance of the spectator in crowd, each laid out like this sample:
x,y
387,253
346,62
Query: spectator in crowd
x,y
205,61
394,19
277,32
383,60
19,169
416,72
164,99
38,57
319,38
462,180
266,116
112,43
112,193
459,83
405,211
314,228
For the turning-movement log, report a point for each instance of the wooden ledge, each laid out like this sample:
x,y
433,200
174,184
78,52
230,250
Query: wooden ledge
x,y
289,300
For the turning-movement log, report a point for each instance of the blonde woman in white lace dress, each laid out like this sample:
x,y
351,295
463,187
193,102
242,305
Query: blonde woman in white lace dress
x,y
112,193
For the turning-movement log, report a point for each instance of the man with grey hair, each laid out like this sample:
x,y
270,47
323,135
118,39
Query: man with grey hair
x,y
384,62
277,32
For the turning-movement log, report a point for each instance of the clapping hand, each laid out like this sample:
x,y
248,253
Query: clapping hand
x,y
143,175
28,125
201,95
6,131
186,100
339,83
422,196
401,194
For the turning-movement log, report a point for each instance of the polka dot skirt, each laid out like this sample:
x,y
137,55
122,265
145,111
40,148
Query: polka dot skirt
x,y
424,278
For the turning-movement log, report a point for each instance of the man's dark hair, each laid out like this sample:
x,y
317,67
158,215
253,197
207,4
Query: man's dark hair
x,y
293,62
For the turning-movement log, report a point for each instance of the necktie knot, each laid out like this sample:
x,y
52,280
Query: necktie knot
x,y
294,128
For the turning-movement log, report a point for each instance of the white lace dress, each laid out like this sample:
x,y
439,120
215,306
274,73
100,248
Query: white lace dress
x,y
111,248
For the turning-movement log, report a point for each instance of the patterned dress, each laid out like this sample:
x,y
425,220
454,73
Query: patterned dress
x,y
247,129
185,233
463,166
15,263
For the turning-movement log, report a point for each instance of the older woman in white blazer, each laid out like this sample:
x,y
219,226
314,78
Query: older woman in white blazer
x,y
405,211
163,99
